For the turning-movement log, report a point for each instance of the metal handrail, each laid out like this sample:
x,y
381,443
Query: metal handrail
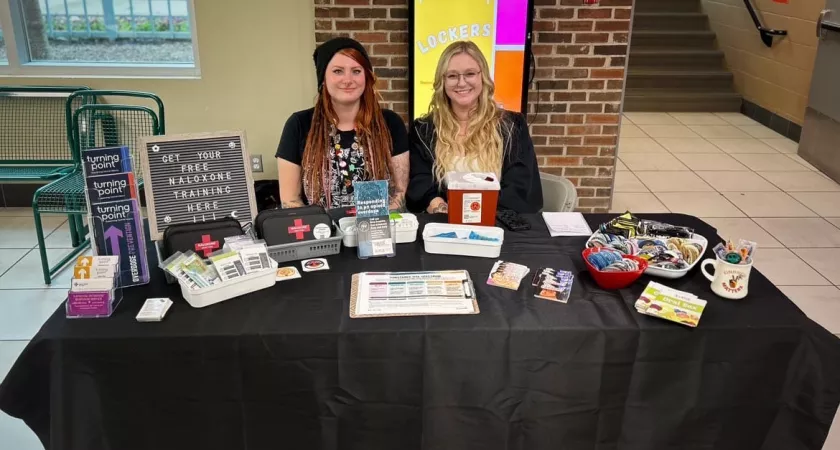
x,y
766,33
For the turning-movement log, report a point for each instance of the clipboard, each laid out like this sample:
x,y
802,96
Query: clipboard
x,y
354,296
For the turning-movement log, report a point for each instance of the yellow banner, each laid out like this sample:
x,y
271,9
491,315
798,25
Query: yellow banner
x,y
437,23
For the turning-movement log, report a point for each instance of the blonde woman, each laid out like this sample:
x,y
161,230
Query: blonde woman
x,y
466,131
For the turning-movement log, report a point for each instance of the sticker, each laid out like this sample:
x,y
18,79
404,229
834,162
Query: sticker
x,y
287,273
471,209
311,265
322,231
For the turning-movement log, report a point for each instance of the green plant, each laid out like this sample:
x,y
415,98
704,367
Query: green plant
x,y
182,25
59,24
97,25
77,24
142,25
162,25
123,23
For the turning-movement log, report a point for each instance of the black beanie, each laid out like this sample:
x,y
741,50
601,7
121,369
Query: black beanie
x,y
325,52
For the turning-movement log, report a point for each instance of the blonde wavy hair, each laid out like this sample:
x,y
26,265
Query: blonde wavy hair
x,y
484,140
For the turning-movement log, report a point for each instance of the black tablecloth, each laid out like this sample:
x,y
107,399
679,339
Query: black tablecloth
x,y
286,368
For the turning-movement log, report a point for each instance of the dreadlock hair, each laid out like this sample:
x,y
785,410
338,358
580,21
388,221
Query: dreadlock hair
x,y
371,130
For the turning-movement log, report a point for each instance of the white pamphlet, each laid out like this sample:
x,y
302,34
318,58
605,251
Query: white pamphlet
x,y
566,224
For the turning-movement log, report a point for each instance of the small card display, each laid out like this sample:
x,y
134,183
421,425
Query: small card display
x,y
94,288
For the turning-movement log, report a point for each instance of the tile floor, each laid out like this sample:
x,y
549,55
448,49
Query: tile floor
x,y
25,301
736,174
747,181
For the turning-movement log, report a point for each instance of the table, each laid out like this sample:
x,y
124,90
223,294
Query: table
x,y
287,368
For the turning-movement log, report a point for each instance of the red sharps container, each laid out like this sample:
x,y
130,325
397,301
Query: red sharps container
x,y
472,197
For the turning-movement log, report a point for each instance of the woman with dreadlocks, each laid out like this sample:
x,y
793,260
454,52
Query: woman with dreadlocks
x,y
346,137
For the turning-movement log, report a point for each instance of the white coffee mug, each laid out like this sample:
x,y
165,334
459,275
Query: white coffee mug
x,y
729,280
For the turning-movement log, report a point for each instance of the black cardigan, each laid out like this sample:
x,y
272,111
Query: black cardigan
x,y
521,188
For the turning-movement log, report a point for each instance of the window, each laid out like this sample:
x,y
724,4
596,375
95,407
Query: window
x,y
3,59
100,37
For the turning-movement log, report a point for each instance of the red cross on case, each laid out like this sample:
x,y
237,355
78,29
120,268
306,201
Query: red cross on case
x,y
298,229
206,245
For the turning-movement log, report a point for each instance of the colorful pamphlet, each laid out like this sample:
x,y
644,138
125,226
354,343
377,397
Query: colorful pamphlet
x,y
507,275
109,188
106,161
373,220
552,284
117,229
658,300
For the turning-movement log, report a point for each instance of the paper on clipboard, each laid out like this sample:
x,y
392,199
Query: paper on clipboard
x,y
390,294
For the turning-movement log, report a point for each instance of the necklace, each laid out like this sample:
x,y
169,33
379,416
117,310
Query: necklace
x,y
348,164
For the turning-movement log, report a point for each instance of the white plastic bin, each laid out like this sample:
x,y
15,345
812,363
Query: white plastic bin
x,y
199,298
405,229
463,247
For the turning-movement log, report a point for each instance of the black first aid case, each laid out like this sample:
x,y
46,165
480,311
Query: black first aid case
x,y
203,238
289,226
298,233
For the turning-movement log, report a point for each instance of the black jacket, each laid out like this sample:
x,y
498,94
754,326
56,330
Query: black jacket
x,y
521,188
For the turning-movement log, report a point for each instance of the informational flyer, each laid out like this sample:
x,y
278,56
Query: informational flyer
x,y
372,219
385,294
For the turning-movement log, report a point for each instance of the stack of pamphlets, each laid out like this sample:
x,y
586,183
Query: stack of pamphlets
x,y
507,275
552,284
658,300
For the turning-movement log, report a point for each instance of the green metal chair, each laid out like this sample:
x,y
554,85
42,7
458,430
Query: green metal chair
x,y
94,126
33,142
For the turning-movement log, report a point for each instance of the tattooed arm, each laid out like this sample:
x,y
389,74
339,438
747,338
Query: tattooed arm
x,y
438,206
399,181
290,184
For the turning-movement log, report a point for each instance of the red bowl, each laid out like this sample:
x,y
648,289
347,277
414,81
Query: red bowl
x,y
613,280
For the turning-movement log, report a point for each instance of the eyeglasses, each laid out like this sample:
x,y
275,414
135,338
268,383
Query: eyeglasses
x,y
469,77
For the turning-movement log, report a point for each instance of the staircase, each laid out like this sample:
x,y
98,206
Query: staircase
x,y
674,63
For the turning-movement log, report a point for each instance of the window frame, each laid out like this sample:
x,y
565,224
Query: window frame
x,y
14,35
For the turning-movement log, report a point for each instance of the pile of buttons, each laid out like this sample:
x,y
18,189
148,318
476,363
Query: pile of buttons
x,y
665,253
612,261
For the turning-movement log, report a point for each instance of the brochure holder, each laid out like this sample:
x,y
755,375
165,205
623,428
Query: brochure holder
x,y
93,304
114,216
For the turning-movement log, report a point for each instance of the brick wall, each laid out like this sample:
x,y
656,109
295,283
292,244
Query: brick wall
x,y
574,102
